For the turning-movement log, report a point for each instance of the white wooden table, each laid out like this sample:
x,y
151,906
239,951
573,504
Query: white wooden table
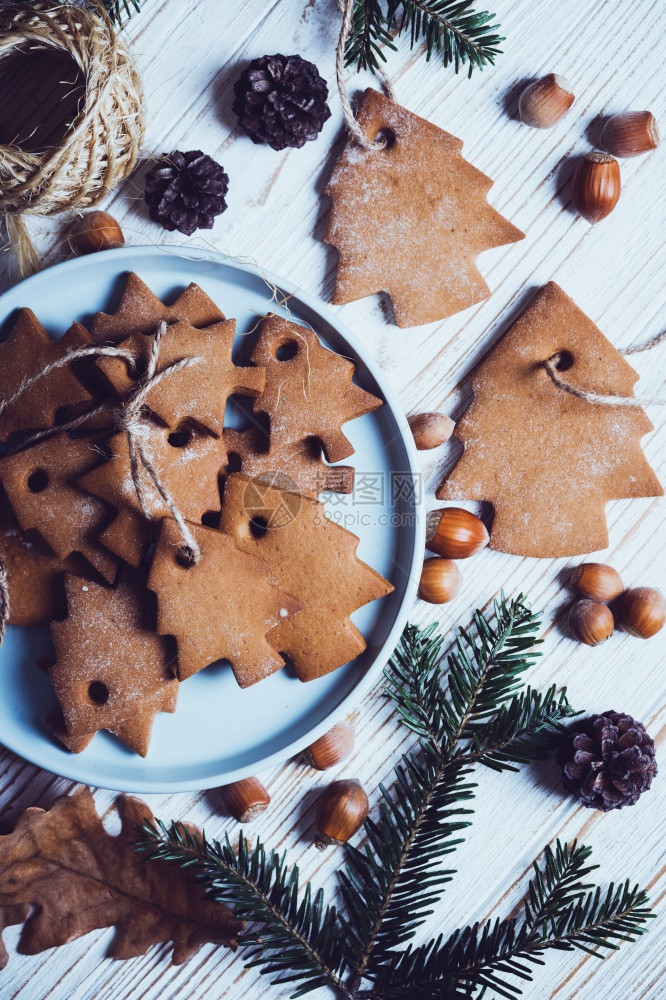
x,y
189,55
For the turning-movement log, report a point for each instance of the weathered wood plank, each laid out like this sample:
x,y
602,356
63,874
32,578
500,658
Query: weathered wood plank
x,y
189,56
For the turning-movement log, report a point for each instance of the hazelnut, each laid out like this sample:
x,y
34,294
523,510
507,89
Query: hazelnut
x,y
430,430
543,102
440,581
597,581
342,810
641,611
245,799
591,621
595,186
94,231
630,134
455,533
331,748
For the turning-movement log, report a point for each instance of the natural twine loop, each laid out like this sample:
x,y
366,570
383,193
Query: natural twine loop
x,y
100,148
132,422
371,145
136,429
551,363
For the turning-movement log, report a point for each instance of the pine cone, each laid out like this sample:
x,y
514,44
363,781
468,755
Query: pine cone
x,y
607,761
281,100
185,191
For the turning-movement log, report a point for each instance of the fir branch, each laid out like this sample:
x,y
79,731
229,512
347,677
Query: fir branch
x,y
480,715
562,912
300,939
117,8
390,886
460,34
522,731
368,33
450,27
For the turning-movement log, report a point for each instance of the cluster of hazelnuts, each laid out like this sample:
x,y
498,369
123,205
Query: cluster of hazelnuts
x,y
453,533
605,605
343,806
595,185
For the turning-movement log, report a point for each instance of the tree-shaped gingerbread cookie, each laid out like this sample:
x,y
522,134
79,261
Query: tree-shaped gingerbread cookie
x,y
412,218
549,461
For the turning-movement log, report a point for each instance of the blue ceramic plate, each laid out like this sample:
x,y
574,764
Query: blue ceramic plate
x,y
220,733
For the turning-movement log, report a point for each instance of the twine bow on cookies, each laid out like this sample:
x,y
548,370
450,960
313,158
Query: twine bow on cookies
x,y
131,421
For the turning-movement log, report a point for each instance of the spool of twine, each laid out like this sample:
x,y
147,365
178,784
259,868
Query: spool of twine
x,y
100,147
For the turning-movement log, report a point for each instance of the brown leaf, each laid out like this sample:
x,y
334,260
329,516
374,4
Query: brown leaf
x,y
79,878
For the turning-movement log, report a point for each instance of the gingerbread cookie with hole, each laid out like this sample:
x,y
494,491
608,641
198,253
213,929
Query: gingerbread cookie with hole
x,y
309,390
27,350
112,670
198,393
187,464
40,486
549,462
224,607
312,558
298,467
412,218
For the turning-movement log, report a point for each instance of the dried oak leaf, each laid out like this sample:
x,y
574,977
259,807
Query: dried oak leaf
x,y
79,878
412,218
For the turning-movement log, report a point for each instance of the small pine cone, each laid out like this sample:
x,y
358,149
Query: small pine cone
x,y
185,191
607,761
281,100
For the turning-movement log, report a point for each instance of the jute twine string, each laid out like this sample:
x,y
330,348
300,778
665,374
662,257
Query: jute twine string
x,y
550,366
372,145
132,423
101,147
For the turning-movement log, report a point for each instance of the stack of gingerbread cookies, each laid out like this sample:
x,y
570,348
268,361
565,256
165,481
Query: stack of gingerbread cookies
x,y
102,558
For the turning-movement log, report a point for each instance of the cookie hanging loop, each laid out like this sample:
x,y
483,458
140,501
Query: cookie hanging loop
x,y
371,145
550,367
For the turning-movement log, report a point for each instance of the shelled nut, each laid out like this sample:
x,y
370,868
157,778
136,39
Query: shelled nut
x,y
331,748
591,621
597,581
543,102
94,231
595,186
440,580
630,133
641,611
430,430
341,810
455,533
245,799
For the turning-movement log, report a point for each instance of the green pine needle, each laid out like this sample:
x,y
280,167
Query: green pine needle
x,y
300,937
118,10
469,707
452,28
